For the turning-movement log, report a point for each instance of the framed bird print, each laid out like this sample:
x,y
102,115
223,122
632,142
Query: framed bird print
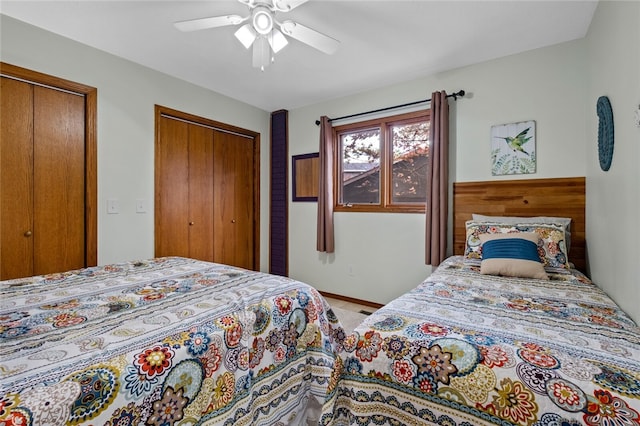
x,y
513,148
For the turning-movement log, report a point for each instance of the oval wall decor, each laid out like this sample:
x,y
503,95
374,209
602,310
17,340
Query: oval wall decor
x,y
605,132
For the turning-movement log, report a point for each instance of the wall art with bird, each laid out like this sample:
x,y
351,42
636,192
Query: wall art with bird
x,y
513,148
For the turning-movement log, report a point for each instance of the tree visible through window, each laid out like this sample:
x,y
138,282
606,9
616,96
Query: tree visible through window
x,y
382,164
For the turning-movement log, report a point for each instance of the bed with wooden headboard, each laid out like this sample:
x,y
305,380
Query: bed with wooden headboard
x,y
557,197
471,345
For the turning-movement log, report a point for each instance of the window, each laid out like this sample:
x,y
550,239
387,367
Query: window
x,y
382,164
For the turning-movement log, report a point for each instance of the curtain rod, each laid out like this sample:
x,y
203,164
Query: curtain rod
x,y
455,95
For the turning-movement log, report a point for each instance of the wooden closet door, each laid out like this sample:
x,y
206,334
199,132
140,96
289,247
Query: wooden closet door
x,y
172,188
16,179
233,200
58,181
206,179
48,163
201,208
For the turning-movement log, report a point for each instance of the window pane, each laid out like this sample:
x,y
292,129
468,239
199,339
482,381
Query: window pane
x,y
360,158
409,169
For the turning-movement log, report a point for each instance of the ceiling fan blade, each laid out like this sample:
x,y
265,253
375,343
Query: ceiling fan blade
x,y
211,22
311,37
287,5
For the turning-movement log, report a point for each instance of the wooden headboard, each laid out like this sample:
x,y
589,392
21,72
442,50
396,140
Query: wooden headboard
x,y
558,197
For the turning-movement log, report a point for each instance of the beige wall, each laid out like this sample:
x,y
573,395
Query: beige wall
x,y
127,93
613,197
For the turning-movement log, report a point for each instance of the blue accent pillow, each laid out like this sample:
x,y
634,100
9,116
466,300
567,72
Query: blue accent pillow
x,y
512,255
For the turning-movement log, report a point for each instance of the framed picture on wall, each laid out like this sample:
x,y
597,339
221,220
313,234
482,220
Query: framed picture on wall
x,y
513,148
305,173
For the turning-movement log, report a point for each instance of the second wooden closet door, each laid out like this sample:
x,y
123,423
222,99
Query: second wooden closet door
x,y
204,193
233,198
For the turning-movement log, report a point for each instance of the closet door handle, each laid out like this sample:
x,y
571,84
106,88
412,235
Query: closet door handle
x,y
233,221
27,234
191,223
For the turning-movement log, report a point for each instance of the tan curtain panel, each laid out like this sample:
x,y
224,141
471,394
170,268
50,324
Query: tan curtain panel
x,y
437,181
325,237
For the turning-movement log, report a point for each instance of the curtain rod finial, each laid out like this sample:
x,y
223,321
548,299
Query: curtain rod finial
x,y
460,93
317,122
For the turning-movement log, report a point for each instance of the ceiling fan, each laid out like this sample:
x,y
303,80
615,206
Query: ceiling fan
x,y
264,31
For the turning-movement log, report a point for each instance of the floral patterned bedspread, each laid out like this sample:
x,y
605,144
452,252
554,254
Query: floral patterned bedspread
x,y
470,349
167,341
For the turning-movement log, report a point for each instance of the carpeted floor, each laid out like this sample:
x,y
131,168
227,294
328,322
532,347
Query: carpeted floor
x,y
349,319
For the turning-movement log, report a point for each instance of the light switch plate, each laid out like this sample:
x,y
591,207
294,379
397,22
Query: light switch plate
x,y
113,206
141,205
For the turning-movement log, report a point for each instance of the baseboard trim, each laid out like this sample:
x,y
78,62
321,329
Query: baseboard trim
x,y
351,299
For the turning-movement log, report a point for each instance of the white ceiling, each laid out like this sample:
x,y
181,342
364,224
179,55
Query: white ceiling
x,y
382,42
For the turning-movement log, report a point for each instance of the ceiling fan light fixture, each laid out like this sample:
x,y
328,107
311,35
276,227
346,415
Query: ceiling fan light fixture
x,y
261,53
277,40
262,20
247,35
